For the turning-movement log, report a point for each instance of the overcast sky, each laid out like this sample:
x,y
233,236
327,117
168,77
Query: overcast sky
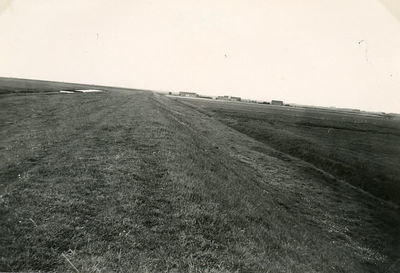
x,y
343,53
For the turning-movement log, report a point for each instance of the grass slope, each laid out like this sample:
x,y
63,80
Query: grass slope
x,y
136,182
362,150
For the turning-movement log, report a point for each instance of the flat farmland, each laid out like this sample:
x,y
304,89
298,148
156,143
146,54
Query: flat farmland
x,y
25,86
132,181
360,149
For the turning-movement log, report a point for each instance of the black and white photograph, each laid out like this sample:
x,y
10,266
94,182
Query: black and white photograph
x,y
208,136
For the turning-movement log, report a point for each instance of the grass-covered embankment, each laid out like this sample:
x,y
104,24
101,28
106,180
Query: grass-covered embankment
x,y
361,150
137,182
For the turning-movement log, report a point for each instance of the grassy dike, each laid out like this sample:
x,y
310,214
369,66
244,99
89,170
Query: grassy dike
x,y
137,182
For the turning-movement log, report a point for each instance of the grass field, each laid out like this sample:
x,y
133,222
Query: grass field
x,y
25,86
139,182
362,150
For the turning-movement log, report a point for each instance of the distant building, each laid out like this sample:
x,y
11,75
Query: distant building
x,y
187,94
235,98
231,98
205,97
277,102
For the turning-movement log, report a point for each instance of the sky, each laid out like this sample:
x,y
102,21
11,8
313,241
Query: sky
x,y
343,53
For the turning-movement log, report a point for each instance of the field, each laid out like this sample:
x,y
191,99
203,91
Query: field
x,y
133,181
362,150
25,86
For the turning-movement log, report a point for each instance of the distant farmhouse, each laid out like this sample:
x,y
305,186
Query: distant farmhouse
x,y
229,98
205,97
249,100
187,94
277,102
235,98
